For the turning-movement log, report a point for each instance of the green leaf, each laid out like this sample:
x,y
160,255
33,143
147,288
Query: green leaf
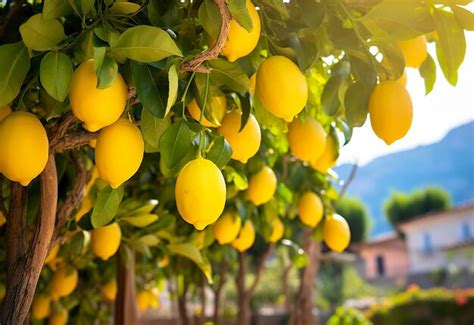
x,y
330,97
191,252
238,178
148,89
451,46
464,17
84,47
229,74
124,8
173,83
15,65
245,105
238,9
210,18
149,240
106,72
106,206
41,34
56,74
153,128
428,72
356,103
312,12
56,8
175,143
141,221
146,44
82,7
219,152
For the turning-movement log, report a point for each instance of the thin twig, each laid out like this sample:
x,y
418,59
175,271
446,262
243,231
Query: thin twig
x,y
258,273
74,141
348,181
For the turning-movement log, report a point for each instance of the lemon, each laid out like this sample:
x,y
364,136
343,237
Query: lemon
x,y
245,143
163,261
310,209
246,237
64,282
403,79
85,207
414,51
227,227
200,192
307,139
143,300
24,147
106,240
109,290
218,106
41,307
336,233
329,156
240,42
95,107
4,111
277,230
119,152
3,291
282,87
390,111
59,318
52,254
262,186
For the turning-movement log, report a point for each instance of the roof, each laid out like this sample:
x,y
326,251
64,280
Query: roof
x,y
382,239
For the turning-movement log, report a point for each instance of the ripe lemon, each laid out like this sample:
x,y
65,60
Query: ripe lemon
x,y
200,192
227,227
109,290
240,42
307,139
218,107
24,147
59,317
277,230
41,307
262,186
143,300
245,143
95,107
403,79
52,254
163,261
64,282
119,152
246,237
329,156
4,111
310,209
282,87
106,240
336,233
390,111
414,51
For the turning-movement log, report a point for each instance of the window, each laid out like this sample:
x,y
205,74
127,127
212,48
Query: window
x,y
465,232
379,261
427,244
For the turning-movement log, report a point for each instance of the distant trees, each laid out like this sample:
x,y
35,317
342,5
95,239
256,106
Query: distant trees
x,y
402,207
355,212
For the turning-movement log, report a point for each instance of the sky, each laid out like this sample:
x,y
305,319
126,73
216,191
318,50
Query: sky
x,y
445,108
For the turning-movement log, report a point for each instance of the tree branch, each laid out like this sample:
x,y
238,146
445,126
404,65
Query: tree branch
x,y
73,141
261,264
348,181
213,52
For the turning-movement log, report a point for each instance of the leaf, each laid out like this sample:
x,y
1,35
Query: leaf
x,y
191,252
451,46
146,44
175,142
220,152
14,66
106,206
229,74
173,83
125,8
428,72
238,178
312,12
106,72
56,74
56,8
41,34
149,240
82,7
330,99
245,105
84,47
464,17
148,89
356,103
210,18
141,221
153,128
238,9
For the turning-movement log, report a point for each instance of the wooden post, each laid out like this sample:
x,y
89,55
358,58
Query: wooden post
x,y
125,303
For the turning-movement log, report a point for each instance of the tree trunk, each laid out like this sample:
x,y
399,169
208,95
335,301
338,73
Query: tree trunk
x,y
286,289
27,250
303,311
244,298
125,303
183,308
217,292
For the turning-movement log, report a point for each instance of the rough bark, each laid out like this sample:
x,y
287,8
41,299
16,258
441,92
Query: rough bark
x,y
125,308
218,291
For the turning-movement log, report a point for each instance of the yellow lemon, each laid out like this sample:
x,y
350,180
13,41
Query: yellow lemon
x,y
109,290
3,220
24,147
52,254
310,209
414,51
218,107
95,107
41,307
329,156
336,233
307,139
143,300
246,237
200,192
241,42
64,282
85,207
262,186
390,110
59,317
245,143
282,87
227,227
163,261
403,79
119,152
4,111
106,240
277,230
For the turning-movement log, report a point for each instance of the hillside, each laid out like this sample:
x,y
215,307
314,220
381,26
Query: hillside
x,y
448,163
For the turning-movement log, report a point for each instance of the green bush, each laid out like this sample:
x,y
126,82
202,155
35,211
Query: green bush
x,y
348,316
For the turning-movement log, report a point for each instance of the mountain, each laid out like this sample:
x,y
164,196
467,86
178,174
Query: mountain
x,y
448,164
